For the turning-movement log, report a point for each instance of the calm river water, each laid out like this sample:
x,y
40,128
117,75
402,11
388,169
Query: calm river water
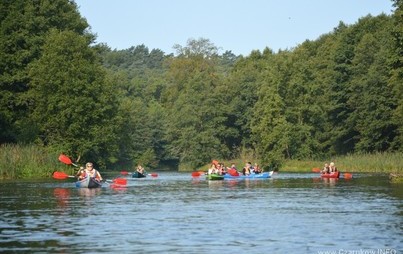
x,y
175,213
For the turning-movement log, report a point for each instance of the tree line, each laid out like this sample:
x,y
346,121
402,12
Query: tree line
x,y
338,94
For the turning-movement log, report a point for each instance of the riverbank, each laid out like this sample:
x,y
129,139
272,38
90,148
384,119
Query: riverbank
x,y
31,161
373,163
391,163
27,162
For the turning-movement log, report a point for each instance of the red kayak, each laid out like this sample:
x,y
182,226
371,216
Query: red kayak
x,y
331,175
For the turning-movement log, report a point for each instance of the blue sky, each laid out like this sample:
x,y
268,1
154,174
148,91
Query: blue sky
x,y
237,25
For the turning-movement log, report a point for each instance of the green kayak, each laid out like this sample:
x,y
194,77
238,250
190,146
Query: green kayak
x,y
215,177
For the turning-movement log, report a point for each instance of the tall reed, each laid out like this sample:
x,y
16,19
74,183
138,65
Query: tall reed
x,y
375,162
26,161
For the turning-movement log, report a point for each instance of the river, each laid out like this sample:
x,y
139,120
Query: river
x,y
175,213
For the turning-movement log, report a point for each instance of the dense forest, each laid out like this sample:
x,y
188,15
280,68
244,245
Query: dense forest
x,y
339,94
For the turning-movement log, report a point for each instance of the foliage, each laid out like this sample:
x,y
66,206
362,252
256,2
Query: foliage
x,y
28,161
358,162
340,94
24,26
71,100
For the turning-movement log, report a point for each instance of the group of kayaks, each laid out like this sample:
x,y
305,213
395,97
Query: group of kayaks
x,y
89,182
263,175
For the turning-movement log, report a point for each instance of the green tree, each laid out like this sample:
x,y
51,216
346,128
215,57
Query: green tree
x,y
72,102
372,102
195,117
396,63
270,129
23,28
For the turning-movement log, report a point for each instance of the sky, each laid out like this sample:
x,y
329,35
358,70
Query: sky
x,y
239,26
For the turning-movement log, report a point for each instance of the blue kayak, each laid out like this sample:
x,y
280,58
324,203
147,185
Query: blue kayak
x,y
88,182
251,176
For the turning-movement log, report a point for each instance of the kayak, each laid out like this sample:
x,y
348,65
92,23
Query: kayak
x,y
138,175
331,175
88,182
251,176
215,177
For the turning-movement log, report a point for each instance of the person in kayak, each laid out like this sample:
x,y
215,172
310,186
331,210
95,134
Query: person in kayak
x,y
140,170
247,169
232,170
214,168
221,169
80,171
332,167
326,169
91,172
257,169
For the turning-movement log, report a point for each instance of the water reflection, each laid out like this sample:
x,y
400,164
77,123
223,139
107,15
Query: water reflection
x,y
62,195
88,193
215,184
178,214
330,181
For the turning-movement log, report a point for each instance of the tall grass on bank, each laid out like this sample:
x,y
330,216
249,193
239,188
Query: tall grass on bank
x,y
28,161
376,163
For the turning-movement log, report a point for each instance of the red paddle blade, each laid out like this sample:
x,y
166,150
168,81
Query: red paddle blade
x,y
124,173
60,175
196,174
154,174
348,175
120,181
316,170
66,160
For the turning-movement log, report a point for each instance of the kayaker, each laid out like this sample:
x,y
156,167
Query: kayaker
x,y
246,170
214,168
140,170
326,169
91,172
332,167
80,172
232,170
257,169
221,169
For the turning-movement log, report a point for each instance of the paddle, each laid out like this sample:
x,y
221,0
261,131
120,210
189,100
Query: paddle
x,y
348,175
66,160
127,173
316,170
198,173
61,176
120,181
